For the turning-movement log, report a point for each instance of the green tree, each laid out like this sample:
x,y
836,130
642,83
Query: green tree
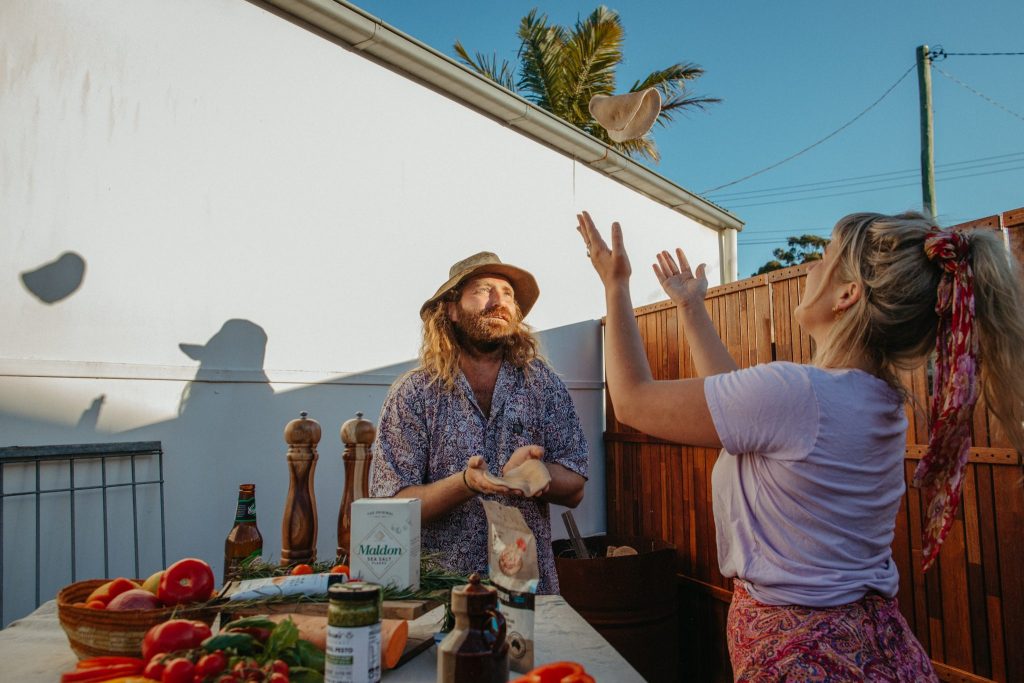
x,y
801,250
560,69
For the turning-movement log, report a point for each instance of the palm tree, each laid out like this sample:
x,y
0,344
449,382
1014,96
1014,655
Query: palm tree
x,y
561,69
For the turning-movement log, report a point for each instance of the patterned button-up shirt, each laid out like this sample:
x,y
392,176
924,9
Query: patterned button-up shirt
x,y
427,433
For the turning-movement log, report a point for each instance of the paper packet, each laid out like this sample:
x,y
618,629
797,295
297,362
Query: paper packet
x,y
515,574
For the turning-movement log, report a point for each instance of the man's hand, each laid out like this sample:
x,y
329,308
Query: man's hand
x,y
476,472
521,455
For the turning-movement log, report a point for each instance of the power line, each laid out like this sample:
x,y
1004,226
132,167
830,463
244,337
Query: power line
x,y
719,198
979,94
830,135
865,179
870,189
939,53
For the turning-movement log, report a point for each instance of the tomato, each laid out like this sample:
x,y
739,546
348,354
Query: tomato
x,y
176,634
301,569
187,580
96,604
340,569
178,670
279,666
211,664
278,678
227,678
155,668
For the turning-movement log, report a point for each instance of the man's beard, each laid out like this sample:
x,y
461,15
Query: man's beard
x,y
478,332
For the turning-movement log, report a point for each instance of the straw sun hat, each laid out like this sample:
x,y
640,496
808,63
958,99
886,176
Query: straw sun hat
x,y
487,263
629,116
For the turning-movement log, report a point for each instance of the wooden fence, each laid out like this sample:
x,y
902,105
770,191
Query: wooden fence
x,y
968,610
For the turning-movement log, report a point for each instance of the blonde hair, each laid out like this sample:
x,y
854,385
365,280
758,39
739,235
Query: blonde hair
x,y
441,350
894,323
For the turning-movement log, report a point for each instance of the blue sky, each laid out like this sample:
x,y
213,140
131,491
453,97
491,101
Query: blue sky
x,y
790,73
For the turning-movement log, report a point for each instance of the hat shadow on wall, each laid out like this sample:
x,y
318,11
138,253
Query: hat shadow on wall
x,y
56,280
235,353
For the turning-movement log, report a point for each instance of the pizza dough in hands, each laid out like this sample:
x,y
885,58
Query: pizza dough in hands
x,y
530,477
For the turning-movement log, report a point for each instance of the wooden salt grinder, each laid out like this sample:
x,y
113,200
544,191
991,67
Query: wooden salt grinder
x,y
298,528
357,434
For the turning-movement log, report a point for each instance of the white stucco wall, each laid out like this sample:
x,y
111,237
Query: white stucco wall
x,y
210,161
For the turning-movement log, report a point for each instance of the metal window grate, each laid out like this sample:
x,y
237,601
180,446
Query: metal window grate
x,y
26,464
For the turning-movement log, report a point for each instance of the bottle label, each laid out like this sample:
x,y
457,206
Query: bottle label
x,y
246,511
353,654
233,566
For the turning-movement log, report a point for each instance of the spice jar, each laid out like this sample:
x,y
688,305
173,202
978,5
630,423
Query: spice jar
x,y
353,633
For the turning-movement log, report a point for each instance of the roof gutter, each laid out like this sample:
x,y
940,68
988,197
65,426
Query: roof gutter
x,y
368,34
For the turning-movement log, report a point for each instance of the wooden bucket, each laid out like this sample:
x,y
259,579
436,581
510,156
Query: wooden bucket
x,y
629,600
98,632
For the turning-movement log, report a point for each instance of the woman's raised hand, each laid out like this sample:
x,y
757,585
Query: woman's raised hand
x,y
612,265
678,280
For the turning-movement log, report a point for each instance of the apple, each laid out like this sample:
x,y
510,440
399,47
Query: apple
x,y
153,582
136,598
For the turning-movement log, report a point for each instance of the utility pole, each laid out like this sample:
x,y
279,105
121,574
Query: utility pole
x,y
924,87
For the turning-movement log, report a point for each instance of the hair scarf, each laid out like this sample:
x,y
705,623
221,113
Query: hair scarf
x,y
954,389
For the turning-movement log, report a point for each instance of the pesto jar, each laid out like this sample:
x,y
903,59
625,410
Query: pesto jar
x,y
353,633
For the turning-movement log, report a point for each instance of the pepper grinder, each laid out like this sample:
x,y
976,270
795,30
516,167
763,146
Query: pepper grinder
x,y
298,528
357,434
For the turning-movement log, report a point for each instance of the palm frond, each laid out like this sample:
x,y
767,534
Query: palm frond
x,y
540,56
592,53
503,75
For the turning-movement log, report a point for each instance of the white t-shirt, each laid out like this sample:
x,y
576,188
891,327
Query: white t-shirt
x,y
807,489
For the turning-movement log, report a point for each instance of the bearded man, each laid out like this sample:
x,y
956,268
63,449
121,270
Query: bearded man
x,y
482,400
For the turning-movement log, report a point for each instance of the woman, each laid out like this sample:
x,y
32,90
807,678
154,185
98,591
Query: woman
x,y
807,488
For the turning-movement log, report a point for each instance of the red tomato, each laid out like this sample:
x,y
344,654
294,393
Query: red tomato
x,y
187,580
340,569
279,666
176,634
278,678
227,678
211,664
301,569
178,670
155,668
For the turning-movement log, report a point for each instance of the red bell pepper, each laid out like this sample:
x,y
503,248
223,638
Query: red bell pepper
x,y
103,669
556,672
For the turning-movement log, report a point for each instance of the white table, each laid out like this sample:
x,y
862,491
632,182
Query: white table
x,y
36,649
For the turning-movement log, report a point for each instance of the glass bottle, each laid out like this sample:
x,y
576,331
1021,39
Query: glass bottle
x,y
353,633
245,542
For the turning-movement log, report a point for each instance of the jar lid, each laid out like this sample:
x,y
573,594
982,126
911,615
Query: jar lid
x,y
354,590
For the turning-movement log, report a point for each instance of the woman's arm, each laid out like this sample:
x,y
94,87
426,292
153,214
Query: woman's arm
x,y
675,410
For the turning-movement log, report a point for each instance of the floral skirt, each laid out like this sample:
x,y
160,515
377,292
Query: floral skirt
x,y
867,640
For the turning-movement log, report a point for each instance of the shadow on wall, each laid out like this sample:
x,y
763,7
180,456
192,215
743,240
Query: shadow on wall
x,y
57,280
228,430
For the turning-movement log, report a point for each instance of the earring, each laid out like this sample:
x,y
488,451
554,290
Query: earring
x,y
837,312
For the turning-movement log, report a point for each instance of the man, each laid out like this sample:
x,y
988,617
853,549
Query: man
x,y
482,400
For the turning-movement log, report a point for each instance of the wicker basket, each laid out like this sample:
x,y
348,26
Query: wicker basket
x,y
97,632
